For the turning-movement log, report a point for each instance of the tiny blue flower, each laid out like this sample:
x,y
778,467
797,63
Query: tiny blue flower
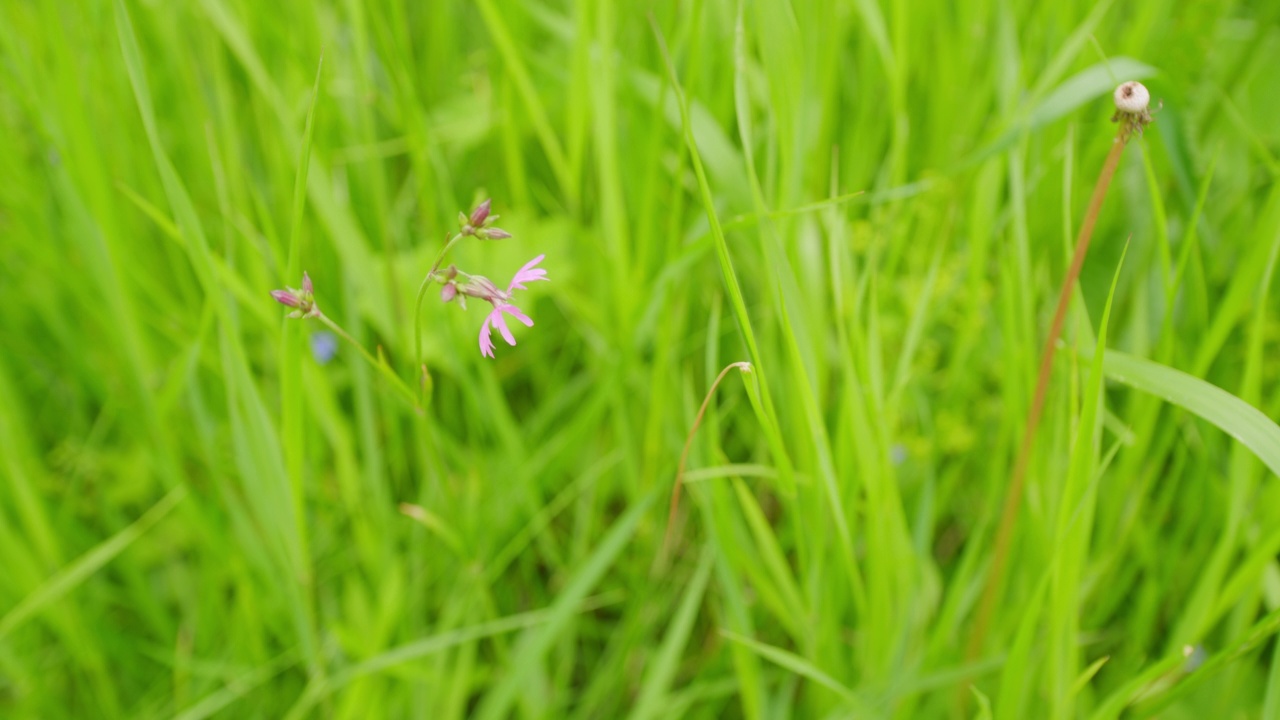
x,y
898,453
323,346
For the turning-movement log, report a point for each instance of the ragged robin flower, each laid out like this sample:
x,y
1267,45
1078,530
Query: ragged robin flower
x,y
483,288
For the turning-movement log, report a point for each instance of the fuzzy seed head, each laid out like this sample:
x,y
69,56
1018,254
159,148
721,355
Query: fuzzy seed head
x,y
1132,97
1133,109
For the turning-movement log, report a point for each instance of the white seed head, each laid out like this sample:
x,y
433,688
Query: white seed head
x,y
1132,97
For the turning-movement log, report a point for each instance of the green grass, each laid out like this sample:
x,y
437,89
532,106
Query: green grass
x,y
871,202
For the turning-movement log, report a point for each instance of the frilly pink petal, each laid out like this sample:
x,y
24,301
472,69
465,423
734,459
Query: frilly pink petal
x,y
500,323
528,273
516,313
486,340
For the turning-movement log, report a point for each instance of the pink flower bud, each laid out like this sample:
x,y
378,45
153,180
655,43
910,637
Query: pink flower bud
x,y
448,292
493,234
483,288
303,300
479,215
284,297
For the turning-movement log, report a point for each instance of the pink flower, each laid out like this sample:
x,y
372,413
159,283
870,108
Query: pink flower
x,y
529,273
495,320
501,304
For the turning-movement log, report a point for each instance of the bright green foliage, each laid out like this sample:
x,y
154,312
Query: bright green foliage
x,y
872,202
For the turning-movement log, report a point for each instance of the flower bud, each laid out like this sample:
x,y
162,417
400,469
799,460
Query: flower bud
x,y
448,292
303,300
284,297
480,214
482,287
493,233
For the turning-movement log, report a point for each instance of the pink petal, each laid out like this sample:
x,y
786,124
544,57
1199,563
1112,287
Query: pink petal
x,y
486,341
531,263
515,312
500,323
528,273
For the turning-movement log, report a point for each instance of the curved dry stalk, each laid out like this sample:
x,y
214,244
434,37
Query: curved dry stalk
x,y
684,454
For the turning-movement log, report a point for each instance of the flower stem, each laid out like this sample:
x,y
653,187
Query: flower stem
x,y
422,292
381,366
1013,501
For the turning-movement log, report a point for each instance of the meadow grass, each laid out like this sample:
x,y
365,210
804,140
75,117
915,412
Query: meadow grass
x,y
871,203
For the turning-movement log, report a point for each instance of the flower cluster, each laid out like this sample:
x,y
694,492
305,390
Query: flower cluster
x,y
459,285
303,301
480,224
478,286
455,285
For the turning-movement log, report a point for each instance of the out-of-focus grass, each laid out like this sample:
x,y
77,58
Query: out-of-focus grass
x,y
872,202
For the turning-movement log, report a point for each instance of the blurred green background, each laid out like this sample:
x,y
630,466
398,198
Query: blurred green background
x,y
873,202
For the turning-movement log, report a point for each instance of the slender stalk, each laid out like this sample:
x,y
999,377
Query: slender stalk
x,y
422,292
381,366
684,454
1013,501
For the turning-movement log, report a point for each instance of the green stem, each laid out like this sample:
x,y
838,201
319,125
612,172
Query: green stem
x,y
422,291
381,366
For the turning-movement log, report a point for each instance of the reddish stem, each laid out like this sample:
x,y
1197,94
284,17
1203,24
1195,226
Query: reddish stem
x,y
1013,501
684,454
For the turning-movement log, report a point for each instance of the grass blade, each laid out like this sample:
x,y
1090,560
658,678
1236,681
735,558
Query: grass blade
x,y
86,565
663,665
527,656
1229,413
805,669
